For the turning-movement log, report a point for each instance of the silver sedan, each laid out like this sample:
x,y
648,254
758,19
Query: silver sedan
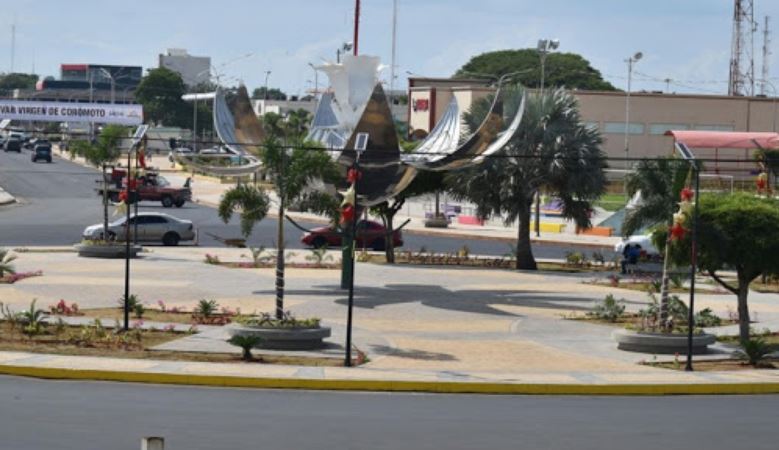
x,y
152,227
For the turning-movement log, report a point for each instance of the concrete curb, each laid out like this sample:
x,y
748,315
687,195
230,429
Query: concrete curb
x,y
392,385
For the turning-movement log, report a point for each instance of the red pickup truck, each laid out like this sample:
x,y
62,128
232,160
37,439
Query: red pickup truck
x,y
150,187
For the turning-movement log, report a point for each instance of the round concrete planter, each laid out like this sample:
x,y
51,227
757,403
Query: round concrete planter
x,y
106,251
284,338
661,343
437,222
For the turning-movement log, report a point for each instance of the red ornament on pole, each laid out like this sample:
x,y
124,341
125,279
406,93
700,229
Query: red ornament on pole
x,y
687,194
677,231
347,214
353,175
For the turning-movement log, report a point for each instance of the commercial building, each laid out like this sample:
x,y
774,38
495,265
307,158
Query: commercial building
x,y
101,83
651,115
193,69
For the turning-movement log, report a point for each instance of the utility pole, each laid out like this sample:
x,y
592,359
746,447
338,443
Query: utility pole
x,y
394,41
13,44
356,25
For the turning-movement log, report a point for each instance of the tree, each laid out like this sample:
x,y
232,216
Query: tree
x,y
425,182
160,94
659,182
6,260
735,232
292,164
103,151
273,94
11,81
561,69
552,148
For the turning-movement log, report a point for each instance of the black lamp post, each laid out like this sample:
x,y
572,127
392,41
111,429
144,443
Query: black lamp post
x,y
695,166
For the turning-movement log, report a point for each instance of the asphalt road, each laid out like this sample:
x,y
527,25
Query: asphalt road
x,y
66,415
56,201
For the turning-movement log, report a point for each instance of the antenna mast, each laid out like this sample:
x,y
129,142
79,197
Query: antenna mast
x,y
766,55
742,60
13,44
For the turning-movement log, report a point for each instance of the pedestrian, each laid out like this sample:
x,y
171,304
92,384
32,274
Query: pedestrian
x,y
630,255
172,161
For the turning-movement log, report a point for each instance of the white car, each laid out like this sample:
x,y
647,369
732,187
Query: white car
x,y
152,227
644,240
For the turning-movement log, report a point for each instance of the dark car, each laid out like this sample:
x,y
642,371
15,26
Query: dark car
x,y
13,144
41,151
369,234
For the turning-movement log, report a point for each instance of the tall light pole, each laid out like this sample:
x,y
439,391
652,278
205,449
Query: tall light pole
x,y
632,60
544,47
773,92
316,79
267,74
113,83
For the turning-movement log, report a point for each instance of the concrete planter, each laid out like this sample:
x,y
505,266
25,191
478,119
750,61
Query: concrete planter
x,y
106,251
661,343
437,222
284,338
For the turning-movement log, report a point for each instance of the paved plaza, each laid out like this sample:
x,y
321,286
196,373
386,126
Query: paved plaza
x,y
414,323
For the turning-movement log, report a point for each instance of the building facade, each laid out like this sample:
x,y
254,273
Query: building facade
x,y
193,69
651,115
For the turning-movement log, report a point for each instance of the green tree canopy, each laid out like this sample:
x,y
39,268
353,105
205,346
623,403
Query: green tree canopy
x,y
567,70
273,94
160,94
659,181
11,81
552,149
736,232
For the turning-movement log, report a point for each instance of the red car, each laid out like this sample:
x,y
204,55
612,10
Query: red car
x,y
370,234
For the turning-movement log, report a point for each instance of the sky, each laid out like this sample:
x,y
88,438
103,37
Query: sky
x,y
687,41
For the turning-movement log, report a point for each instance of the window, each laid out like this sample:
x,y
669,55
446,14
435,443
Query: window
x,y
593,125
619,128
713,127
661,128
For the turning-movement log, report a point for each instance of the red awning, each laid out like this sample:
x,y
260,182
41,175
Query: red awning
x,y
725,139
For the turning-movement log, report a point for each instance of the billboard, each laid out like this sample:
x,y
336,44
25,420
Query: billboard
x,y
71,112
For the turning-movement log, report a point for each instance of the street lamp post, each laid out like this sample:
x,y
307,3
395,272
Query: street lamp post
x,y
316,79
267,74
773,91
113,83
632,60
544,47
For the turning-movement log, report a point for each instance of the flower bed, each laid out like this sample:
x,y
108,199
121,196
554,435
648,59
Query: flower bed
x,y
12,278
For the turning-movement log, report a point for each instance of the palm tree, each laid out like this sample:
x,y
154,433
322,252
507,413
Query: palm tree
x,y
104,151
292,165
6,257
658,184
552,149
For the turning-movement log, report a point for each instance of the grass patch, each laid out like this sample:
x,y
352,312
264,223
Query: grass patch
x,y
151,315
478,262
772,339
643,286
766,288
612,202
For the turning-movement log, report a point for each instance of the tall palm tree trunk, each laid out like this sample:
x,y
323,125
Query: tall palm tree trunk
x,y
105,205
280,243
664,284
525,259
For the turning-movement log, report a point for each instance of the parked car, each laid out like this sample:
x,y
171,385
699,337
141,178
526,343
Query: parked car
x,y
42,150
644,240
13,144
369,234
152,227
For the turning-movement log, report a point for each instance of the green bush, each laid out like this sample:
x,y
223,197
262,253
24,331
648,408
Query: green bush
x,y
755,350
246,342
206,308
609,309
707,318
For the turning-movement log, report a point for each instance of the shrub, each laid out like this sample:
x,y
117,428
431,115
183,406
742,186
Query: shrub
x,y
246,342
707,318
132,300
319,255
61,308
138,310
266,320
5,262
609,309
755,350
599,258
206,308
212,259
32,319
575,259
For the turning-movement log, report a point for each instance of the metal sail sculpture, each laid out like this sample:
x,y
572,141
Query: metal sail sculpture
x,y
388,170
240,131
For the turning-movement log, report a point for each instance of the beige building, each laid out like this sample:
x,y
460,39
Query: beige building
x,y
651,115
